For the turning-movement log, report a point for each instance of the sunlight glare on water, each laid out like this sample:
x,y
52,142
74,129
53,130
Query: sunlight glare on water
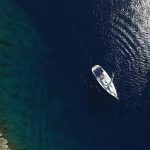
x,y
130,43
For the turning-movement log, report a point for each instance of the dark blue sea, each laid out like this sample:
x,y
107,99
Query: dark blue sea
x,y
63,106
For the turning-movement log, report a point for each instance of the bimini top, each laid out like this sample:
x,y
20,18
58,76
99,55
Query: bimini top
x,y
104,80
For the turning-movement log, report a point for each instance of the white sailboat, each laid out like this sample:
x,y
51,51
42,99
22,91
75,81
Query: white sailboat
x,y
104,80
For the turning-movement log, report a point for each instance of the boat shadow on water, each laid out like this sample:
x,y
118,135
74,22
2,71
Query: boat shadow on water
x,y
98,99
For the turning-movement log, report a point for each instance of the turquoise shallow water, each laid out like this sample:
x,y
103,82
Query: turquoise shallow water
x,y
20,53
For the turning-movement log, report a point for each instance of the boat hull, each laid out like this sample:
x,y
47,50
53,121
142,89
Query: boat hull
x,y
104,80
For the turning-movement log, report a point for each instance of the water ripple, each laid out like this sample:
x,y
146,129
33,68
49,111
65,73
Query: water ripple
x,y
129,54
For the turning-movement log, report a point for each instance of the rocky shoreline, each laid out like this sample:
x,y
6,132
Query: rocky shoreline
x,y
3,143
